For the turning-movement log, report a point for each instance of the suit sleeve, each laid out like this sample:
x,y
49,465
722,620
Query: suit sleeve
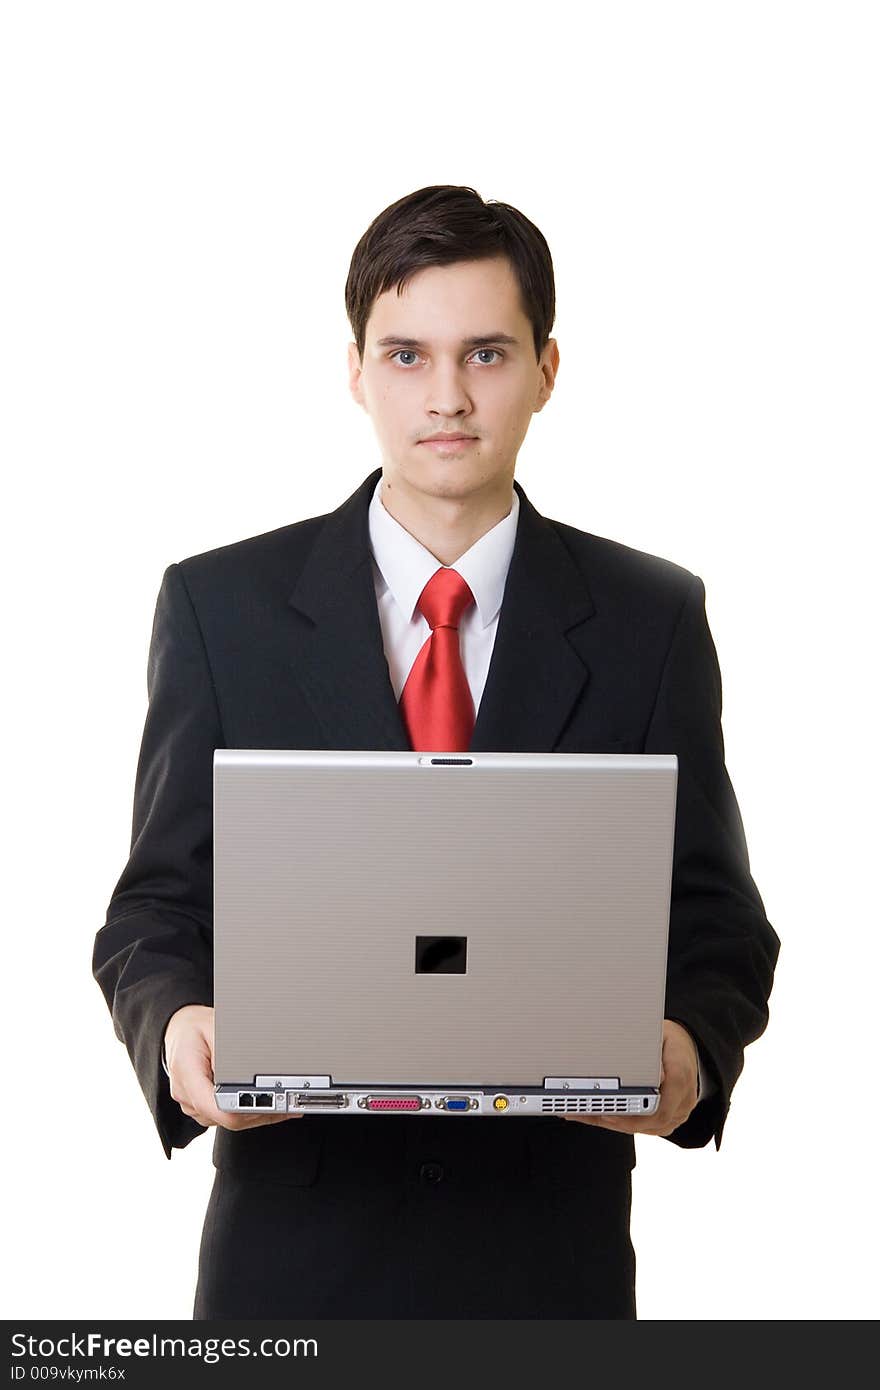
x,y
154,953
722,949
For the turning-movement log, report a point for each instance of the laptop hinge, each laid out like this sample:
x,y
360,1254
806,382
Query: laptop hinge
x,y
582,1083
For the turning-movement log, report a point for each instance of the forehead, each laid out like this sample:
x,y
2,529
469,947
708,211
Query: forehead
x,y
451,302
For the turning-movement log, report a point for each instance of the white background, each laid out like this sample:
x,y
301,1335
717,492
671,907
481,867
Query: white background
x,y
184,184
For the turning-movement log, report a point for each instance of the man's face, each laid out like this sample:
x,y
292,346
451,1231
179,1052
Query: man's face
x,y
423,373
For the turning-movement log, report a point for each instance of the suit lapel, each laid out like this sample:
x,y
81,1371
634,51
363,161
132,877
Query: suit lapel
x,y
340,660
535,677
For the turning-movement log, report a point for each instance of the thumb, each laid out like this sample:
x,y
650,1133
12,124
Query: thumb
x,y
208,1034
196,1069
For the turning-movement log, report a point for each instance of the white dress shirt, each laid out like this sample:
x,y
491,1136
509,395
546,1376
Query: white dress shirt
x,y
401,569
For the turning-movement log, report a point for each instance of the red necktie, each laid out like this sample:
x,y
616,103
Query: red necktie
x,y
436,701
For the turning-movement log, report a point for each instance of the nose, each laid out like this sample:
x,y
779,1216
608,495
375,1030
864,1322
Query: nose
x,y
447,395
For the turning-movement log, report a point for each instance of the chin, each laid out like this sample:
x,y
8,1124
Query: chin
x,y
448,477
449,485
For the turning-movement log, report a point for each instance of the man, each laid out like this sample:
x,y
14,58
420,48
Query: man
x,y
436,608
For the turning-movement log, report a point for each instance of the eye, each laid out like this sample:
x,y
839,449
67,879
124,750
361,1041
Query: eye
x,y
410,352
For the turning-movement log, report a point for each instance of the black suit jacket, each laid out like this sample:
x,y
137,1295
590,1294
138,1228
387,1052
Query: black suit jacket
x,y
274,642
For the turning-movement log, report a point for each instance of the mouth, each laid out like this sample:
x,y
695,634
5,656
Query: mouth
x,y
443,443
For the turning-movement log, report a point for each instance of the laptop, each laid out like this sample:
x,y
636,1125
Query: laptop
x,y
441,934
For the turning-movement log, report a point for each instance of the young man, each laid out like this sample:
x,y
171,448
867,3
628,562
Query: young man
x,y
435,609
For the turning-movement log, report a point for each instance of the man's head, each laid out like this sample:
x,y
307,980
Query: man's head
x,y
451,301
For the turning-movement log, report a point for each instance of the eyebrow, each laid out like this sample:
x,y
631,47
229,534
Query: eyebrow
x,y
483,340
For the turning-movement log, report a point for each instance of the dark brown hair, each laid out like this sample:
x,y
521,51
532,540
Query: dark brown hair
x,y
440,225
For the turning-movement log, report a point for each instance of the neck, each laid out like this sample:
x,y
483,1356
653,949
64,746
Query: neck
x,y
446,526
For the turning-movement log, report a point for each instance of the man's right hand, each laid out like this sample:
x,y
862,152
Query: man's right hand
x,y
189,1054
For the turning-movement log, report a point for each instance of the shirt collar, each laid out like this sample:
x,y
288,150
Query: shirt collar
x,y
406,565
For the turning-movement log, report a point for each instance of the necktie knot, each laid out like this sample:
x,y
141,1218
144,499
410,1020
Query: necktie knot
x,y
444,599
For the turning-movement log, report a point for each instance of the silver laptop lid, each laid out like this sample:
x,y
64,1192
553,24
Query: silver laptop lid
x,y
400,918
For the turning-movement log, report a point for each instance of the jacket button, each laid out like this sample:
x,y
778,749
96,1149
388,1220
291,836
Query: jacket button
x,y
431,1172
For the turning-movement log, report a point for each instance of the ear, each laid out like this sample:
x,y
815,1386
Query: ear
x,y
354,374
549,366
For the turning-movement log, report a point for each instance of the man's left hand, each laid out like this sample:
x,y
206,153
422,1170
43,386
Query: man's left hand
x,y
679,1069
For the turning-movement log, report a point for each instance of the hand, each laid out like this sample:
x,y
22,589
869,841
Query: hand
x,y
189,1054
679,1070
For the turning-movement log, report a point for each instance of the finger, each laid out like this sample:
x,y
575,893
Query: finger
x,y
621,1125
638,1126
193,1077
233,1120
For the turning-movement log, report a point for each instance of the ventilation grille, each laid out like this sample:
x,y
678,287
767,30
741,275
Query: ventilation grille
x,y
593,1105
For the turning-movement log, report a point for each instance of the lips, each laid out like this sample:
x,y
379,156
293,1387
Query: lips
x,y
446,438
